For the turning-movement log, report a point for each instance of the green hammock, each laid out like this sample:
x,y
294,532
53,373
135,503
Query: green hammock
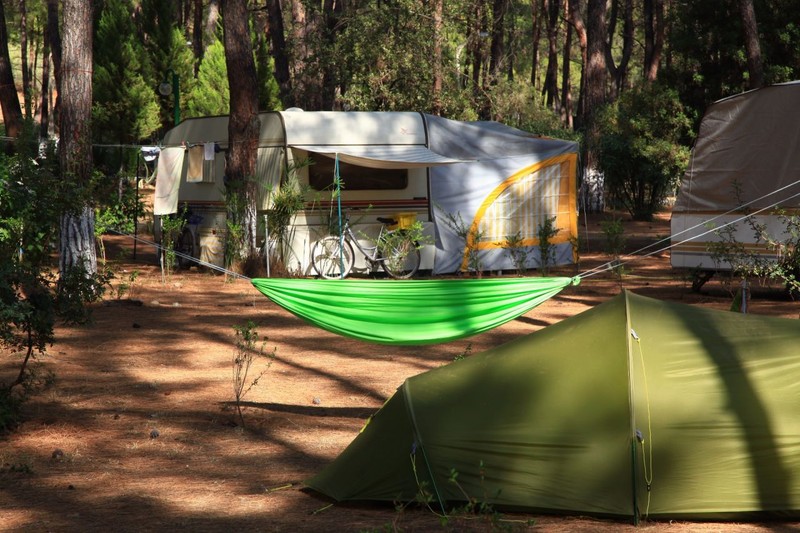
x,y
410,312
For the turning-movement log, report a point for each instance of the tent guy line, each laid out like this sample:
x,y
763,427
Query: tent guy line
x,y
611,264
159,248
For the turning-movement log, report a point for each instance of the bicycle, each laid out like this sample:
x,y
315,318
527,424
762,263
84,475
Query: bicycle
x,y
332,257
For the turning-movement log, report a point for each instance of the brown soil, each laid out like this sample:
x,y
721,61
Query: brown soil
x,y
87,457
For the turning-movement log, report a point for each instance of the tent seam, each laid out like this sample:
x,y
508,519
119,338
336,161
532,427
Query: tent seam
x,y
419,445
631,409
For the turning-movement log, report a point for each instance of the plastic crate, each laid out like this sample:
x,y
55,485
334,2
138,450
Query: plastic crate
x,y
404,220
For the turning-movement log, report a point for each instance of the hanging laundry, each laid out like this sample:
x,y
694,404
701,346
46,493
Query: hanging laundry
x,y
168,179
209,150
194,173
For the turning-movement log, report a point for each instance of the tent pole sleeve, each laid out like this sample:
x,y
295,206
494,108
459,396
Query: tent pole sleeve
x,y
420,446
631,411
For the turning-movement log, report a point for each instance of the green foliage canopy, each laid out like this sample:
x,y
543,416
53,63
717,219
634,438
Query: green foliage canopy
x,y
640,148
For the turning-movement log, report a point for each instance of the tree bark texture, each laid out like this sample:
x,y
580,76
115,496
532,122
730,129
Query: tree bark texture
x,y
537,14
211,21
54,39
198,48
243,125
752,46
331,13
566,82
9,101
75,148
44,106
576,20
279,52
438,10
653,37
302,30
23,52
596,72
550,88
497,50
619,72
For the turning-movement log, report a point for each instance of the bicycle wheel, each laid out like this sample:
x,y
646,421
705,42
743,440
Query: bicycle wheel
x,y
399,256
330,259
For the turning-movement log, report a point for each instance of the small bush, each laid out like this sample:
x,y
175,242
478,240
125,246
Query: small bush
x,y
546,232
517,252
248,347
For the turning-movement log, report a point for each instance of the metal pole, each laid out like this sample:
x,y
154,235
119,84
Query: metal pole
x,y
336,179
136,206
176,93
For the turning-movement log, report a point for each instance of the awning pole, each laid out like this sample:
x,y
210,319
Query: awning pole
x,y
337,181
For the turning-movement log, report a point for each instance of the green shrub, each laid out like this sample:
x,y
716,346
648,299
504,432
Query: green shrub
x,y
640,149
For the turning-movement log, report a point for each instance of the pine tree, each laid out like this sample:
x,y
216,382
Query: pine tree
x,y
125,107
211,95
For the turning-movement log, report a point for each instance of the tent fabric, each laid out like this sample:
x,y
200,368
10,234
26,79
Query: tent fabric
x,y
410,312
635,407
383,157
461,190
168,180
751,140
746,160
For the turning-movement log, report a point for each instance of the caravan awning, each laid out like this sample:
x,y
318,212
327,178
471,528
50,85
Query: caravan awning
x,y
385,156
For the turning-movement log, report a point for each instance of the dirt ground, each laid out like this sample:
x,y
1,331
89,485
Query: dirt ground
x,y
136,432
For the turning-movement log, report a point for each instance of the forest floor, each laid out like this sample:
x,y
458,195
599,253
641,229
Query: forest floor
x,y
136,431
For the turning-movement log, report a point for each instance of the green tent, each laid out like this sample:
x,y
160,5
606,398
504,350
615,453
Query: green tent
x,y
635,407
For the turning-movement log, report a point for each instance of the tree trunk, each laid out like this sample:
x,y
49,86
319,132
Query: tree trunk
x,y
653,37
537,13
243,127
499,9
331,12
596,69
438,9
550,89
54,39
197,35
566,83
75,148
576,20
9,100
478,29
620,72
211,21
278,40
23,53
754,63
44,107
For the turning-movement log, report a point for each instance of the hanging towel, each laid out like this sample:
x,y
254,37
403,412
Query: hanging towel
x,y
194,174
168,180
209,149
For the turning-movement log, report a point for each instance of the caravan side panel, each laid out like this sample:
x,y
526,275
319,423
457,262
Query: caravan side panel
x,y
746,160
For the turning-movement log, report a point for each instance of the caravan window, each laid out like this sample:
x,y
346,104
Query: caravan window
x,y
355,178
